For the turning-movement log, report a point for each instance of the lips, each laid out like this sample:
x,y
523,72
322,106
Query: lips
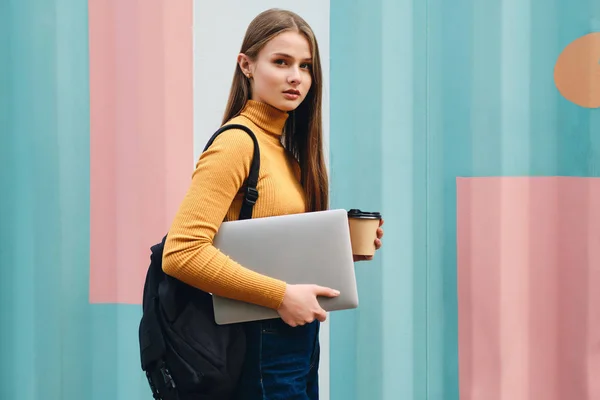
x,y
292,91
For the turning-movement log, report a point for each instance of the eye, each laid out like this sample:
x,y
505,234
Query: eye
x,y
306,66
280,61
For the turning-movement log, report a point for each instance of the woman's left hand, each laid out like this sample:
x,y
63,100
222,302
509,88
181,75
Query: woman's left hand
x,y
377,244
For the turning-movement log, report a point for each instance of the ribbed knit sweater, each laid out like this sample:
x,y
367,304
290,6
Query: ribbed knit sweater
x,y
215,196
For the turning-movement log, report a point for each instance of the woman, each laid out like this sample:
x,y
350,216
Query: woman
x,y
276,92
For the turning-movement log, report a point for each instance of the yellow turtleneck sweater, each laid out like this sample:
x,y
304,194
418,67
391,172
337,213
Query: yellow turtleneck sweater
x,y
215,195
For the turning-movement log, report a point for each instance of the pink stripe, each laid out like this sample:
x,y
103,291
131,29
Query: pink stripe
x,y
178,100
103,208
593,293
528,273
475,355
141,136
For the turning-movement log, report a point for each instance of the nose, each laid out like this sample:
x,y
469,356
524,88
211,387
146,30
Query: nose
x,y
295,77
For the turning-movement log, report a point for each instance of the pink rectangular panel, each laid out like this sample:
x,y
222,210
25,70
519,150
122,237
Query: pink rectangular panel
x,y
141,136
528,279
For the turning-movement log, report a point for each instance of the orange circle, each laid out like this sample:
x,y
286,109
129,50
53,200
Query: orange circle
x,y
577,71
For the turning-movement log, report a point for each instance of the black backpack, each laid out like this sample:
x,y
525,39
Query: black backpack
x,y
184,353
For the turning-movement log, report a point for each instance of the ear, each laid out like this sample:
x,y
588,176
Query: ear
x,y
245,64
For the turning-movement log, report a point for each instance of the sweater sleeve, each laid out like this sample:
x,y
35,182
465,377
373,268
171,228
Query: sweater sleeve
x,y
189,254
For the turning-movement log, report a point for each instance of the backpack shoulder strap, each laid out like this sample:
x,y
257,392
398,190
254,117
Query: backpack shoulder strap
x,y
251,194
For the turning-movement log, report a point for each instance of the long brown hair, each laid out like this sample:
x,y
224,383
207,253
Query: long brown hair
x,y
303,131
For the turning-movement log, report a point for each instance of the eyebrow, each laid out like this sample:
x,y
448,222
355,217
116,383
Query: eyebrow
x,y
288,56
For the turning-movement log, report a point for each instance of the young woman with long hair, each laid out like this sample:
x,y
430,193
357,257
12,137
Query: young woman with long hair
x,y
277,93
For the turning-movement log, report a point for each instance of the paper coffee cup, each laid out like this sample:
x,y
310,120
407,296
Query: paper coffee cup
x,y
363,231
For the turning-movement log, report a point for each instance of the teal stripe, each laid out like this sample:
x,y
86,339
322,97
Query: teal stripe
x,y
356,50
45,236
115,366
378,351
33,206
450,98
545,48
72,109
54,344
7,220
404,107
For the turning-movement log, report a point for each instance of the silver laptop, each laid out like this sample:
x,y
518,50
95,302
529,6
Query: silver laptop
x,y
312,248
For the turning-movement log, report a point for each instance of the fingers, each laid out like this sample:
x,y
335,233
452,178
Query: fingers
x,y
325,291
378,240
294,324
321,315
381,222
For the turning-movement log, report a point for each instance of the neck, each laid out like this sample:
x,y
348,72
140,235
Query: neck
x,y
265,116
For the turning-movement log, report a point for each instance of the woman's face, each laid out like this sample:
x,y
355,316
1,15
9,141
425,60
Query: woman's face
x,y
281,74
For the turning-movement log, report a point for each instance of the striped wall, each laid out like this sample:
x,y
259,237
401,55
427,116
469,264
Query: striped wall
x,y
378,162
528,266
105,105
90,100
423,93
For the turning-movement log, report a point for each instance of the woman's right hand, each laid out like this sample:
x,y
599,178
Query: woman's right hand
x,y
300,305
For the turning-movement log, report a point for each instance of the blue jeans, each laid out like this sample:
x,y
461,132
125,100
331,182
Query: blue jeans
x,y
281,362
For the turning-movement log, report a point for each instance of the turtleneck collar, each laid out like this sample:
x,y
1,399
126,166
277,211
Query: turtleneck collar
x,y
265,116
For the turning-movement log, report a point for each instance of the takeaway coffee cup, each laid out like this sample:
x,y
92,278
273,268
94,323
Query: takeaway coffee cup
x,y
363,231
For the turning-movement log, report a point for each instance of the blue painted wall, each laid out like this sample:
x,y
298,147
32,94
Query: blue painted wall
x,y
378,153
54,344
423,92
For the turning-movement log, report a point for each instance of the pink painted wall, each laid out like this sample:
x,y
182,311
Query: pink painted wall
x,y
141,136
528,279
